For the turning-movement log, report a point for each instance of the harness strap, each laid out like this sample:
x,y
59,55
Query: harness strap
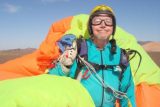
x,y
98,66
82,52
82,47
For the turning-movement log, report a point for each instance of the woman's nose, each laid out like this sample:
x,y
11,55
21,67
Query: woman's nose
x,y
103,23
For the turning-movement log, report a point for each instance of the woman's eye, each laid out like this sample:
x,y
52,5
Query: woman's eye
x,y
96,21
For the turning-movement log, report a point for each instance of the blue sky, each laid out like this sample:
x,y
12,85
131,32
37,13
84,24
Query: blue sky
x,y
25,23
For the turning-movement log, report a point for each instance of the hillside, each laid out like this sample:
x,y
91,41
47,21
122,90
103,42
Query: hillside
x,y
6,55
152,48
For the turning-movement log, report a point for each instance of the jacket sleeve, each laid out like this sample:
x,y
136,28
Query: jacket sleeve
x,y
57,70
127,86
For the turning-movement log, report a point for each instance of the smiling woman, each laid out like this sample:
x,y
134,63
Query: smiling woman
x,y
102,27
97,71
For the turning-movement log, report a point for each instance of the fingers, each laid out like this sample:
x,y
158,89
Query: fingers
x,y
68,56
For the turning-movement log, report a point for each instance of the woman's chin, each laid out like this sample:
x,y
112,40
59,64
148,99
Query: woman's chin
x,y
102,37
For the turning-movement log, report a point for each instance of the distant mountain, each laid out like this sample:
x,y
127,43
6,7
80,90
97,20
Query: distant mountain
x,y
10,54
143,42
26,50
151,46
155,56
153,49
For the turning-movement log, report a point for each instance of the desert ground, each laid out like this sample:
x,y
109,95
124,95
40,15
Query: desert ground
x,y
152,48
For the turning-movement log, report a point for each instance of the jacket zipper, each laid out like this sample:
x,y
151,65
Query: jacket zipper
x,y
102,78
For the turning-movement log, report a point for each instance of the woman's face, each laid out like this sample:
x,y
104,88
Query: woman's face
x,y
102,26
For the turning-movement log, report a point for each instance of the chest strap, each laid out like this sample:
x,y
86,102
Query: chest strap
x,y
98,67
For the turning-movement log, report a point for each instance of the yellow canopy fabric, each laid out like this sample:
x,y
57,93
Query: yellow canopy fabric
x,y
43,91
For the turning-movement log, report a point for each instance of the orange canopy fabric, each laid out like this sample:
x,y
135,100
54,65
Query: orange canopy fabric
x,y
147,95
20,67
49,50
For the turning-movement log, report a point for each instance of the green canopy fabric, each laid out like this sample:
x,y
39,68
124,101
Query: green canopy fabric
x,y
44,91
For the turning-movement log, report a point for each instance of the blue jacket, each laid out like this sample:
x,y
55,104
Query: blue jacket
x,y
101,96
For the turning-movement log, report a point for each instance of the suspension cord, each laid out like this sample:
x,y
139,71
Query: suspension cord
x,y
134,52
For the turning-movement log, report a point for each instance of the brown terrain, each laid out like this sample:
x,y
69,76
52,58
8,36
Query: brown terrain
x,y
152,48
6,55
